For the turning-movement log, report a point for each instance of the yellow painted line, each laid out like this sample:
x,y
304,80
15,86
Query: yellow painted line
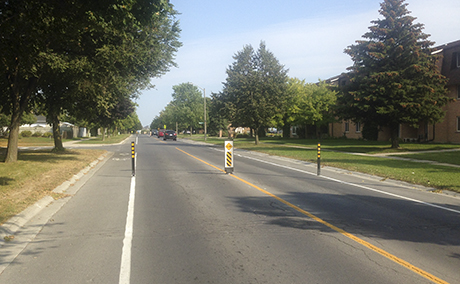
x,y
380,251
201,160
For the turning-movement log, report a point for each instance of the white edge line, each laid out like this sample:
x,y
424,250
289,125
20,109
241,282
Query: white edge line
x,y
356,185
125,268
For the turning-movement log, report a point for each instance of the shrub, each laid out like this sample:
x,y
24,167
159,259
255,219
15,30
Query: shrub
x,y
26,133
47,134
37,134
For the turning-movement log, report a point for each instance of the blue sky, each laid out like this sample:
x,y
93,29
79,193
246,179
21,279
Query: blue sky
x,y
307,37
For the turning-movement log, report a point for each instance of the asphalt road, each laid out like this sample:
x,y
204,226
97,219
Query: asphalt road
x,y
181,219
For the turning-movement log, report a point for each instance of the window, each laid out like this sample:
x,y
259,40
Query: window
x,y
458,92
358,126
458,123
347,126
455,60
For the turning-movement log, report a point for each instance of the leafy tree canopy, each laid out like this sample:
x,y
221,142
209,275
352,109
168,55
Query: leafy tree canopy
x,y
310,104
186,108
105,50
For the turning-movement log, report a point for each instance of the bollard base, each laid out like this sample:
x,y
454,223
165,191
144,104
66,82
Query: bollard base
x,y
228,170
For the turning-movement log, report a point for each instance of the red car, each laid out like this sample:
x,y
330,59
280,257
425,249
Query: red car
x,y
161,133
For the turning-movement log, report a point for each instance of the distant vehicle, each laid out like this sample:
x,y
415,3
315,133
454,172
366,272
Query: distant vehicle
x,y
154,132
170,134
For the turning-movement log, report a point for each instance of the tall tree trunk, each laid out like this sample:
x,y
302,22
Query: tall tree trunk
x,y
256,132
20,102
394,136
103,133
58,147
13,139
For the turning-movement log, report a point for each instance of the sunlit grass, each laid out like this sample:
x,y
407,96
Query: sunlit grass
x,y
35,175
334,153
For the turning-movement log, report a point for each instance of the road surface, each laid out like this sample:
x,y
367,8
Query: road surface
x,y
181,219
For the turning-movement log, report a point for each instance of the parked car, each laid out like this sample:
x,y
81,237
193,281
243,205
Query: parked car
x,y
160,133
170,134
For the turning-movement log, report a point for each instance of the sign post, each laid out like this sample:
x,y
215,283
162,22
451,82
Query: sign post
x,y
228,156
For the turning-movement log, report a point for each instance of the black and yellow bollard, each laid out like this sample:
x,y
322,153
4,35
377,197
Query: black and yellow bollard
x,y
133,156
319,159
229,157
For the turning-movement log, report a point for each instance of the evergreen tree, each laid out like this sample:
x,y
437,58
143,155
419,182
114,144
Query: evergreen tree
x,y
394,79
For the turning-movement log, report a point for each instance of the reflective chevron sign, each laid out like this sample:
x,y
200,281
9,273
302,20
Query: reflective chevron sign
x,y
228,156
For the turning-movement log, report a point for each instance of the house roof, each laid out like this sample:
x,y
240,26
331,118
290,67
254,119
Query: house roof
x,y
449,45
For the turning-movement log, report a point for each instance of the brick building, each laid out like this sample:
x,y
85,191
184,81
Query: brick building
x,y
447,131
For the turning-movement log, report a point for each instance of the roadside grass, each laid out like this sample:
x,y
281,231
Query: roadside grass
x,y
440,157
334,154
439,177
35,175
342,145
358,146
48,141
31,141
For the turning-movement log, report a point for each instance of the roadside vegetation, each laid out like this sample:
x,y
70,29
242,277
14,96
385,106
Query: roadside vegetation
x,y
36,174
48,141
338,153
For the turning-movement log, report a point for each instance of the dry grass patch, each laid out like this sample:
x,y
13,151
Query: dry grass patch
x,y
36,174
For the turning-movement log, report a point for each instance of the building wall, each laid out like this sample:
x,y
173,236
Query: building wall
x,y
447,131
345,129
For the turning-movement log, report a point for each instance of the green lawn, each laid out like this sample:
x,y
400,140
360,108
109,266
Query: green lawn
x,y
441,157
36,174
336,153
42,141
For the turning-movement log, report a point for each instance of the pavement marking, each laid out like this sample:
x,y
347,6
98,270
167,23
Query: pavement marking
x,y
376,249
352,184
358,185
125,268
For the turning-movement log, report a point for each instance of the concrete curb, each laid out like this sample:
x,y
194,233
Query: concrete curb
x,y
14,224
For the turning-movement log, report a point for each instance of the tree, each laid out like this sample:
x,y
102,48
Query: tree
x,y
310,104
217,119
254,89
394,79
111,48
187,106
